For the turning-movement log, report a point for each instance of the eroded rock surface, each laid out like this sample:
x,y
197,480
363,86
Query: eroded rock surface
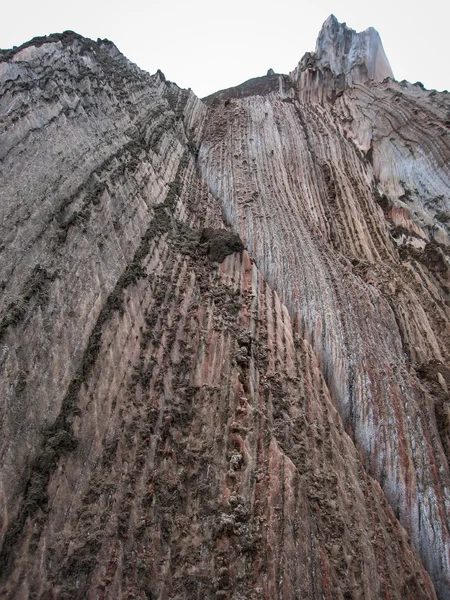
x,y
342,58
224,330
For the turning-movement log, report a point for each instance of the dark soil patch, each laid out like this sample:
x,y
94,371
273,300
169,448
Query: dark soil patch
x,y
219,243
36,287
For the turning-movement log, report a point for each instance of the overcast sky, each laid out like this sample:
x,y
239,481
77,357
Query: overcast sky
x,y
207,45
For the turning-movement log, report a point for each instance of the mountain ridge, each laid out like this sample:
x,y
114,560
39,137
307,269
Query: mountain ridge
x,y
224,330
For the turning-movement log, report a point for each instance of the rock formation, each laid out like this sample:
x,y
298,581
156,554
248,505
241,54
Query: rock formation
x,y
342,58
224,329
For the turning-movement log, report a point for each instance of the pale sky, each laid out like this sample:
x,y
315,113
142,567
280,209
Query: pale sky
x,y
207,45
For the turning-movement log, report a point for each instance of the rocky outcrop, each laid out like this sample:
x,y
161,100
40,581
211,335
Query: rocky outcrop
x,y
403,131
224,330
342,58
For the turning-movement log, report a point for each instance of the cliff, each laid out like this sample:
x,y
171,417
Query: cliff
x,y
342,59
224,329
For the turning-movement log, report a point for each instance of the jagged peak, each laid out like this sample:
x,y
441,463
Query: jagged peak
x,y
342,58
331,21
341,49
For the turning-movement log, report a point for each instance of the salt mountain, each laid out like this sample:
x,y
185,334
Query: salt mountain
x,y
224,329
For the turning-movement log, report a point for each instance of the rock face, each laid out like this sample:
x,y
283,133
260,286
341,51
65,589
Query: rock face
x,y
342,58
224,329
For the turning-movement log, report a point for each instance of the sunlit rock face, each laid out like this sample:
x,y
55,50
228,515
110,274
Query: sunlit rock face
x,y
224,329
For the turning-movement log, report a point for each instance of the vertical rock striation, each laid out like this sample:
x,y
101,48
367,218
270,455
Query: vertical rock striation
x,y
343,202
224,329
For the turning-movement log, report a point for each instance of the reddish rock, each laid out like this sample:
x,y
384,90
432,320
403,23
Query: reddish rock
x,y
224,331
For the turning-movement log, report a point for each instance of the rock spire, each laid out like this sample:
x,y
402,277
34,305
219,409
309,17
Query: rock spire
x,y
342,58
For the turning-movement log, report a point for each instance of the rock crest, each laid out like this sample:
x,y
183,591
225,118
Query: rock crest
x,y
341,59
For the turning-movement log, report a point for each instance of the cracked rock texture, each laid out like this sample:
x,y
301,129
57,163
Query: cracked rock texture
x,y
224,329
